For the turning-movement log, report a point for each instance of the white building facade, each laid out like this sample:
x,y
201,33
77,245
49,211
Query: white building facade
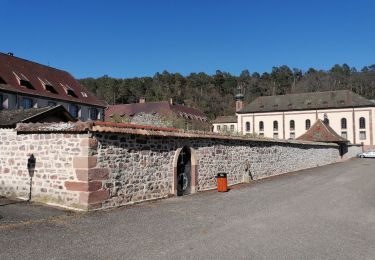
x,y
289,116
355,124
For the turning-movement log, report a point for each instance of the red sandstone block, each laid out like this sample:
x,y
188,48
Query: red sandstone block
x,y
83,186
93,197
93,174
84,162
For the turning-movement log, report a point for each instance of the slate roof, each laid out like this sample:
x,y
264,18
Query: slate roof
x,y
225,119
9,118
12,67
320,132
306,101
163,108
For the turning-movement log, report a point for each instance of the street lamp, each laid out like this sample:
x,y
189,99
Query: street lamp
x,y
31,168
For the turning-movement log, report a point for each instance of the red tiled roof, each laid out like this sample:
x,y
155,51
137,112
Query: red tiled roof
x,y
320,132
225,119
11,66
163,108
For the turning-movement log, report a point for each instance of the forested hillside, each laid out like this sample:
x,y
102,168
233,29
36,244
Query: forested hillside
x,y
213,94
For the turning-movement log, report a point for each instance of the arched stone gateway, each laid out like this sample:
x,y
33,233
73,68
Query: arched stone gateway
x,y
185,171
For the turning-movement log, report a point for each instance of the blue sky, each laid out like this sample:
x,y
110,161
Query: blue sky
x,y
141,37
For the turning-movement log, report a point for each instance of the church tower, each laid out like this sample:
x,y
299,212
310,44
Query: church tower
x,y
239,97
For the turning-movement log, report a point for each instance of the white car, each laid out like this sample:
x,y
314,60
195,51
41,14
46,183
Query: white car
x,y
368,154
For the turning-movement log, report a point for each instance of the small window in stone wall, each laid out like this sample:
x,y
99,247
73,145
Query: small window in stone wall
x,y
275,135
344,134
362,135
218,128
292,135
232,128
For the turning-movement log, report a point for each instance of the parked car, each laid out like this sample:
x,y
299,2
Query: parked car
x,y
368,154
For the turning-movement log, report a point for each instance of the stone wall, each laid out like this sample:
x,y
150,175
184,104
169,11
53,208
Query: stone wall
x,y
142,167
93,167
61,163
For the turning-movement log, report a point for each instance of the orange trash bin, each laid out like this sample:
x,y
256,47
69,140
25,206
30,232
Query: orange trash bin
x,y
222,182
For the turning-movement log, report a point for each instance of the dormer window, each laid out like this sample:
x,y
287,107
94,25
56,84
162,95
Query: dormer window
x,y
48,86
23,81
84,94
2,81
69,91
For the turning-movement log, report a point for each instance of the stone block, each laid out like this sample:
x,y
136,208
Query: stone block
x,y
92,174
93,197
84,162
83,186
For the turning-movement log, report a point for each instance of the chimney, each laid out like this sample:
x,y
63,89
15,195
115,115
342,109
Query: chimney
x,y
142,100
171,101
10,54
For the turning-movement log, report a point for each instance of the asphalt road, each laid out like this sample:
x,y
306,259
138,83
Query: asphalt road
x,y
322,213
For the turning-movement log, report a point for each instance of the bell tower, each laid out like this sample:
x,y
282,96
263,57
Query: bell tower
x,y
239,97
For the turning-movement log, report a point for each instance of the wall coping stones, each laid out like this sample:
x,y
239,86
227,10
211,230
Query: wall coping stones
x,y
120,128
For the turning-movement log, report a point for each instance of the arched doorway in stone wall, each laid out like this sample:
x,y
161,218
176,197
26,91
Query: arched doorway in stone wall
x,y
185,171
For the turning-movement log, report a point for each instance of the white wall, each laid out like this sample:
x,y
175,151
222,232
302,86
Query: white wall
x,y
300,117
222,126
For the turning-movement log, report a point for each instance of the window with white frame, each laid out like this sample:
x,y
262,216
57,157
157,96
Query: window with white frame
x,y
291,124
343,123
247,126
307,124
275,136
261,126
225,127
362,123
344,134
232,128
275,125
292,135
218,128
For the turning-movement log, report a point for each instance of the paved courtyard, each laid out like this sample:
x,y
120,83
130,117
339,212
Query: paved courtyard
x,y
322,213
